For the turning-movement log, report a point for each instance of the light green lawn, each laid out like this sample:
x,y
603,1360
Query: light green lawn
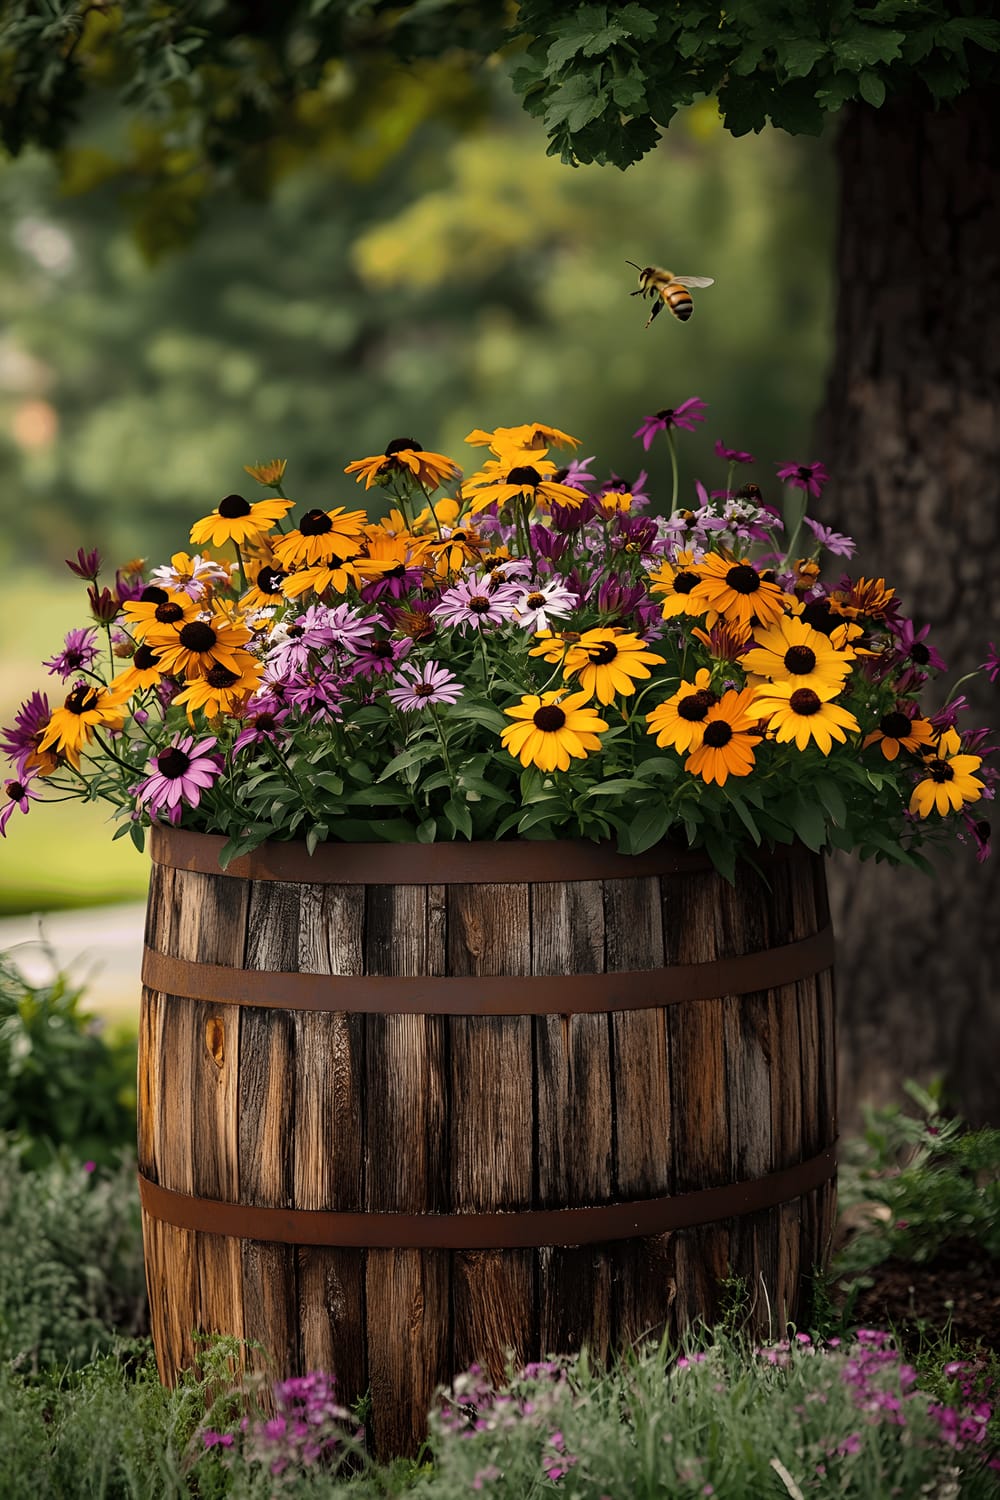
x,y
61,855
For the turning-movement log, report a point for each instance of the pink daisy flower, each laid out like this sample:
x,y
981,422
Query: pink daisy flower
x,y
183,771
991,666
809,477
15,794
476,602
683,416
78,653
537,607
421,686
21,739
262,718
733,455
85,565
833,541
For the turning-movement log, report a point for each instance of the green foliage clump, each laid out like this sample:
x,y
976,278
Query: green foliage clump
x,y
63,1082
71,1272
932,1179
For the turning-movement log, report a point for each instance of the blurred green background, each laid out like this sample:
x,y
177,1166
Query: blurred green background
x,y
432,274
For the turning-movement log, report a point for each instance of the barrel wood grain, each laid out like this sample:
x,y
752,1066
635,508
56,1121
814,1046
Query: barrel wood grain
x,y
419,1114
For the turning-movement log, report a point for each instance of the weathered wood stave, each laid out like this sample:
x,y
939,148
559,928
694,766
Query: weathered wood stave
x,y
461,1114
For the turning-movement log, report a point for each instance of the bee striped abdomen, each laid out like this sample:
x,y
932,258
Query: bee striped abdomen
x,y
679,300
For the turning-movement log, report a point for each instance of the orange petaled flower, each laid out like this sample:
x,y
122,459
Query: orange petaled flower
x,y
221,690
730,733
145,670
552,729
452,551
727,640
529,437
554,648
897,731
738,592
674,582
266,591
496,484
273,472
87,708
338,575
949,782
236,520
200,645
156,608
866,596
406,457
323,536
679,722
607,662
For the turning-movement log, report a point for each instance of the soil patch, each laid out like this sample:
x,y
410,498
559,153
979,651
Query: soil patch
x,y
959,1289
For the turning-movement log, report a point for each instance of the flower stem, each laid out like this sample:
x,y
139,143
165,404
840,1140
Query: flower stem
x,y
671,444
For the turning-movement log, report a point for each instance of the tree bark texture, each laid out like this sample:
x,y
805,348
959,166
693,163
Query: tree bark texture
x,y
912,433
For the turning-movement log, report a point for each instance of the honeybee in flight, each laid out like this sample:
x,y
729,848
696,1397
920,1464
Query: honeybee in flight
x,y
667,290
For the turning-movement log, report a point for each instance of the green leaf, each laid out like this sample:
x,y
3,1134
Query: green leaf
x,y
427,831
649,826
316,835
808,823
722,854
138,835
745,815
872,89
799,55
859,46
413,755
458,816
576,102
745,103
830,795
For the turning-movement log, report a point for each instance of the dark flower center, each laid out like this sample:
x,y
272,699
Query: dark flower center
x,y
315,523
265,722
381,649
153,595
458,536
895,726
920,654
800,660
479,604
423,690
981,830
695,706
601,656
269,580
294,631
144,658
219,676
818,614
196,635
82,699
168,614
233,506
805,702
399,571
940,770
525,475
535,601
664,414
15,791
684,582
743,578
718,733
401,445
73,657
549,718
805,471
172,763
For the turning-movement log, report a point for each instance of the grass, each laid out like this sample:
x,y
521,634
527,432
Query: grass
x,y
60,856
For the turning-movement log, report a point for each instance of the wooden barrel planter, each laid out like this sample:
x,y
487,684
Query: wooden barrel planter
x,y
406,1107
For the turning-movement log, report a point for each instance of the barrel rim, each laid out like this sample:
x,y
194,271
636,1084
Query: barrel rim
x,y
474,862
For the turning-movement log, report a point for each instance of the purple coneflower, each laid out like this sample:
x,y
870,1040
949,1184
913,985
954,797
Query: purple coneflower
x,y
379,657
683,416
476,602
30,722
183,771
538,606
991,666
421,686
317,697
733,455
200,574
810,477
15,794
77,653
576,473
263,717
833,541
912,645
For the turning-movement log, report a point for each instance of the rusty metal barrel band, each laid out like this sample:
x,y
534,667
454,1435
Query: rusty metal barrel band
x,y
525,1229
504,861
490,995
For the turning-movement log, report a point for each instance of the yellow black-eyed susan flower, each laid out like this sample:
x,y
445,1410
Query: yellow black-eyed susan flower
x,y
792,651
270,473
552,729
221,690
88,707
608,662
199,645
323,536
528,437
897,731
949,782
405,456
679,722
804,714
499,483
156,608
675,582
236,520
737,591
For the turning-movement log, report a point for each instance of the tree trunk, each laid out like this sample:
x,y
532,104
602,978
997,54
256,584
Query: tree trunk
x,y
912,430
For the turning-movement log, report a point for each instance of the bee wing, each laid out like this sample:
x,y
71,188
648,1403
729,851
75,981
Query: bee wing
x,y
694,280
